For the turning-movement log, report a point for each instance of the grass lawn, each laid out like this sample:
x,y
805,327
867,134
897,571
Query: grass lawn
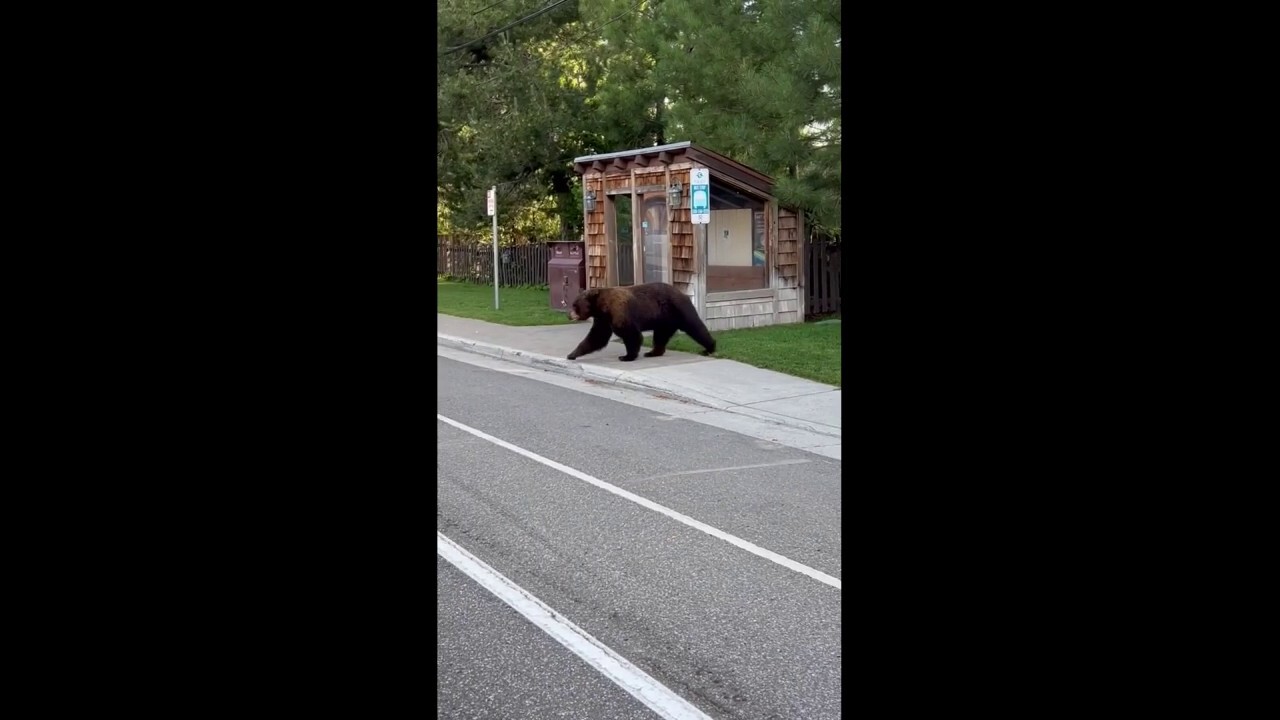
x,y
806,350
517,306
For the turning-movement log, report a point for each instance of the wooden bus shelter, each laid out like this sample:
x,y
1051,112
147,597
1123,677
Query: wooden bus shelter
x,y
742,269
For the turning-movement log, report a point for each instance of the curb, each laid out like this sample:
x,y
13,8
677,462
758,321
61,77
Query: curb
x,y
622,378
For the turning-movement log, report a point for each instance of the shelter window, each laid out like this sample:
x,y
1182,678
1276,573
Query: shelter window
x,y
736,256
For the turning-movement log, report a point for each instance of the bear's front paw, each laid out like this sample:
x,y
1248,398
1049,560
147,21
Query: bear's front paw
x,y
573,356
627,358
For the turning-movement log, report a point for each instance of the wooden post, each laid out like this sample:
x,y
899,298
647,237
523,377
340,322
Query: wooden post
x,y
637,237
586,232
610,240
670,273
800,242
771,257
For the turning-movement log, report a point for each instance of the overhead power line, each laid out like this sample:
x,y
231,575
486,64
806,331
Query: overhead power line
x,y
528,62
628,11
486,7
575,39
526,18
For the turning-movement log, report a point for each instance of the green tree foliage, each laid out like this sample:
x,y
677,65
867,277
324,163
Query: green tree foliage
x,y
627,104
504,113
758,81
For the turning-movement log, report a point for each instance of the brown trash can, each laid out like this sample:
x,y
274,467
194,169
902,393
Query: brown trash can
x,y
566,273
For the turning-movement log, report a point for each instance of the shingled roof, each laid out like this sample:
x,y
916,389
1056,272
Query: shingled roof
x,y
625,160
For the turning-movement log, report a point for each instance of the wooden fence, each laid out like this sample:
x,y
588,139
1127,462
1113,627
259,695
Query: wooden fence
x,y
527,265
822,276
519,264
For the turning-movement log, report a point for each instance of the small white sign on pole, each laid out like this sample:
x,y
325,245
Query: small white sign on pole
x,y
700,196
492,200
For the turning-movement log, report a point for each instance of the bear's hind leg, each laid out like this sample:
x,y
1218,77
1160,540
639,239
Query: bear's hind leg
x,y
694,328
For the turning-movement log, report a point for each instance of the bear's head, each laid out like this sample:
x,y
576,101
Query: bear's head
x,y
585,305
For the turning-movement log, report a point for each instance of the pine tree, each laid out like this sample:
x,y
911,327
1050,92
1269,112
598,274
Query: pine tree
x,y
759,81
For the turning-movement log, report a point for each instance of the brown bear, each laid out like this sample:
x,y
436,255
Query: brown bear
x,y
629,311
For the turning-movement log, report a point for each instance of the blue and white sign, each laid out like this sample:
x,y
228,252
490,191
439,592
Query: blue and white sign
x,y
700,196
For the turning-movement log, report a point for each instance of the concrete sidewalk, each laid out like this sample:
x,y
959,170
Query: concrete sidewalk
x,y
721,384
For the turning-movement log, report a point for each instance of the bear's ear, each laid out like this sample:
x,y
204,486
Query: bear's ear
x,y
592,294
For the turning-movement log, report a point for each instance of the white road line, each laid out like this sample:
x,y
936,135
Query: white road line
x,y
656,696
799,461
738,542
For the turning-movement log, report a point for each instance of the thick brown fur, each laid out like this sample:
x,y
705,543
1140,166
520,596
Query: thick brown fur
x,y
630,311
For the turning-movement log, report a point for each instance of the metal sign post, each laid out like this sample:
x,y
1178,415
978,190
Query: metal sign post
x,y
493,212
700,214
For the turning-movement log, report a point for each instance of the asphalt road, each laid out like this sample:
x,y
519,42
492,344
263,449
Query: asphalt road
x,y
735,634
495,664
